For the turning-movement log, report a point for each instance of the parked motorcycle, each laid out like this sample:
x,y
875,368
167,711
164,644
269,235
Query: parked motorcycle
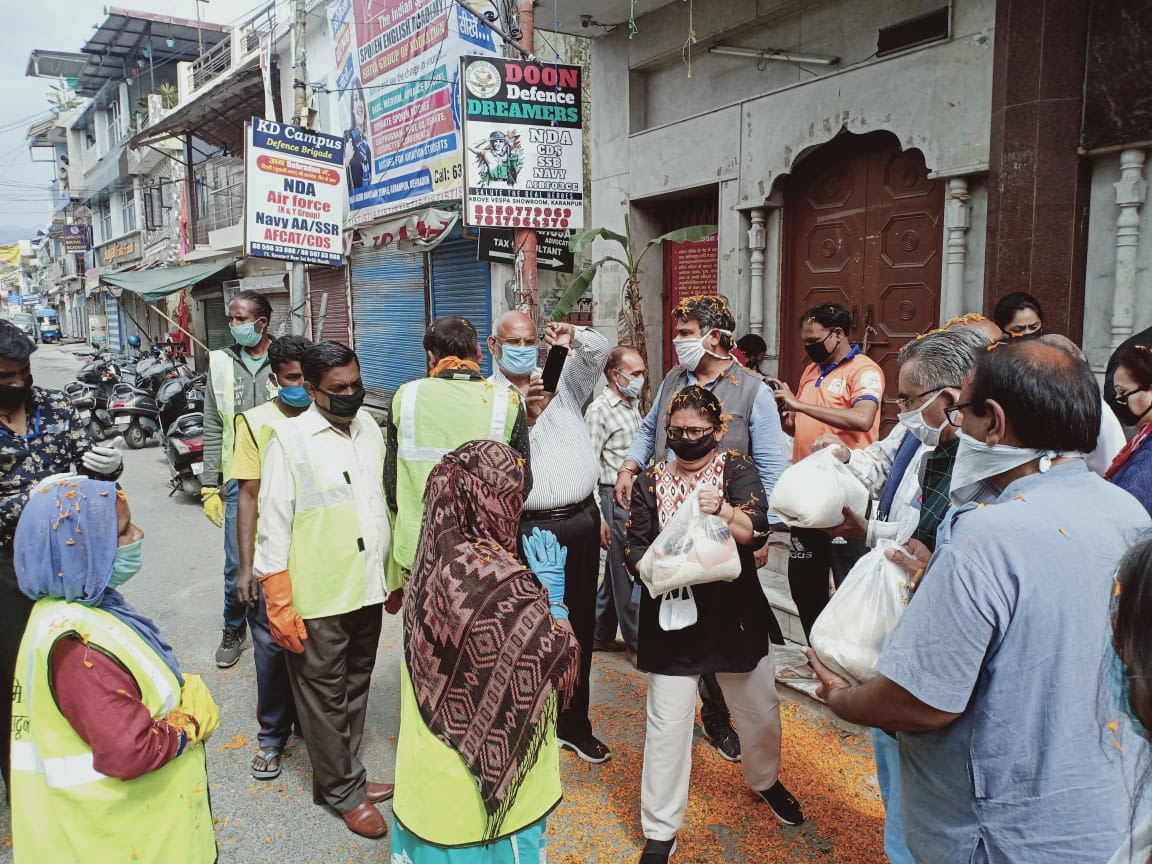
x,y
180,404
136,416
99,385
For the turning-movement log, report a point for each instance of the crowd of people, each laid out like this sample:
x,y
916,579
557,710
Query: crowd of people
x,y
1009,706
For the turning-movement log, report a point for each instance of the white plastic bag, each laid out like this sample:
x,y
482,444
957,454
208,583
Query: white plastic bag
x,y
855,625
694,548
814,492
677,609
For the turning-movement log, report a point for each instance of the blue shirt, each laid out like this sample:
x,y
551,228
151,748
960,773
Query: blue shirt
x,y
1135,476
1010,628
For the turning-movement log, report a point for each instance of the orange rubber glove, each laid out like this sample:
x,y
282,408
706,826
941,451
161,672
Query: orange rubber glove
x,y
284,621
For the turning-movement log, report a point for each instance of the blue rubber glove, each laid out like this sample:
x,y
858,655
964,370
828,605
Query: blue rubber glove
x,y
546,558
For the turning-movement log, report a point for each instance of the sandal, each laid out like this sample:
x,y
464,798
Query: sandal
x,y
794,674
266,764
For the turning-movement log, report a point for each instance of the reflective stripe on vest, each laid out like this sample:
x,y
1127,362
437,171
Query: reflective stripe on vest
x,y
223,375
61,772
407,448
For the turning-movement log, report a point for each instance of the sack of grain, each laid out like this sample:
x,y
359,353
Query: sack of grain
x,y
814,492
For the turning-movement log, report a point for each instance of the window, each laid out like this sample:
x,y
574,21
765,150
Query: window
x,y
128,211
115,127
154,206
105,211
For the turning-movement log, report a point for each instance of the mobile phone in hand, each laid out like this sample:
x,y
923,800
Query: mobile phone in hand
x,y
553,367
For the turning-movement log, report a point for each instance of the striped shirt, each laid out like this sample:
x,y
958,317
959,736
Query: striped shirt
x,y
612,423
564,465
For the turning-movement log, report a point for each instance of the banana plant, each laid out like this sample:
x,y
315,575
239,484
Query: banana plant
x,y
630,323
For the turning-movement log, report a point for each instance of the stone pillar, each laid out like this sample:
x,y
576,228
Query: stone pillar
x,y
757,241
1130,194
956,223
1037,183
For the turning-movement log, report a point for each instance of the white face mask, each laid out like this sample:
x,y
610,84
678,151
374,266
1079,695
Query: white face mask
x,y
913,421
977,461
690,351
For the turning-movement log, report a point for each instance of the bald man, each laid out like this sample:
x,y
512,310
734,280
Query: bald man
x,y
976,321
612,419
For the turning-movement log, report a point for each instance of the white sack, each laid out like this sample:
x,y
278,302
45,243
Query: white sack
x,y
694,548
814,492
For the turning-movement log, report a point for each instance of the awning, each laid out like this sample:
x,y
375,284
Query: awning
x,y
158,283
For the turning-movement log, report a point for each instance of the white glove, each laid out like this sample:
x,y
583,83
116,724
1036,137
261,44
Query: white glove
x,y
103,460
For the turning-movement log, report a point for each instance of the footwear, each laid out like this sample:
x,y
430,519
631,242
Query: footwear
x,y
724,738
378,792
588,747
607,645
231,644
366,821
784,806
658,851
795,674
266,763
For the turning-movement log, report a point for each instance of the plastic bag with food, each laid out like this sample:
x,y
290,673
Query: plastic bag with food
x,y
694,548
814,492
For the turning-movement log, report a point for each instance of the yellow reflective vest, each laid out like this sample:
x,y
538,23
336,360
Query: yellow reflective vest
x,y
65,810
230,392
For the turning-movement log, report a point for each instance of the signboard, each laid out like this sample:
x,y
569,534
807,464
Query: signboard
x,y
523,131
294,188
397,63
98,329
32,300
498,245
77,238
416,232
691,268
14,298
119,252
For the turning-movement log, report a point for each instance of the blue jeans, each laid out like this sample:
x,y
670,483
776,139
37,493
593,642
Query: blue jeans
x,y
275,707
235,617
615,601
886,751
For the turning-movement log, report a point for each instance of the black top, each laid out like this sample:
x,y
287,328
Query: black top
x,y
731,633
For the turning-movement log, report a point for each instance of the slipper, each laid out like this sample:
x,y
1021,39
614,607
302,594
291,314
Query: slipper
x,y
270,760
795,674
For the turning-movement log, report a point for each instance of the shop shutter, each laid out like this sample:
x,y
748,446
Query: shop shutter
x,y
216,323
462,286
388,320
112,310
332,281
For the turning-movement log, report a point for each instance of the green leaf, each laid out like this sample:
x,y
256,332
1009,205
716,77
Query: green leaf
x,y
583,240
577,288
692,234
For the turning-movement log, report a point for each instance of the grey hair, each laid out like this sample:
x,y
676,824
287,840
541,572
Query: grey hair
x,y
943,358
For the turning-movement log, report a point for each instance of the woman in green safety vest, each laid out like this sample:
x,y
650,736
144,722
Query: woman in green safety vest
x,y
107,755
488,653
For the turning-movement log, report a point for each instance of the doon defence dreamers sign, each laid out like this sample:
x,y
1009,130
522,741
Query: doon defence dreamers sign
x,y
523,131
397,68
294,193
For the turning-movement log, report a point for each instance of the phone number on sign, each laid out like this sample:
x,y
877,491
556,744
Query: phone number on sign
x,y
525,217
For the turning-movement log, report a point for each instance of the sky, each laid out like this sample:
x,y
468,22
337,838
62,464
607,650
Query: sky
x,y
58,25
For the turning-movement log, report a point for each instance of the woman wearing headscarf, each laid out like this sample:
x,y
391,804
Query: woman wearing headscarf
x,y
488,655
107,762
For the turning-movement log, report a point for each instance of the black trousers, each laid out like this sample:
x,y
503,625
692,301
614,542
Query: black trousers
x,y
14,611
580,533
813,554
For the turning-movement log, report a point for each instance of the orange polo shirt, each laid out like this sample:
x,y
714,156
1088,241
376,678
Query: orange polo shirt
x,y
854,379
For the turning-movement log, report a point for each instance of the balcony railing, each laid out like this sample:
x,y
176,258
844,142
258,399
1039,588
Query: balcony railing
x,y
219,196
212,63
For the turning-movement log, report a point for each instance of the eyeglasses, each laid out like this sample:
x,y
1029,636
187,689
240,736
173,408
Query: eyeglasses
x,y
516,343
905,401
1122,398
692,433
950,413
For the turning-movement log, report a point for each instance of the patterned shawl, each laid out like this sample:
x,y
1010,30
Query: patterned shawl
x,y
482,649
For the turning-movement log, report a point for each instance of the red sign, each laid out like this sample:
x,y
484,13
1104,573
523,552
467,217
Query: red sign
x,y
691,268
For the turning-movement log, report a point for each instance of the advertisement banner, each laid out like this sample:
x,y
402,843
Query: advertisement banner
x,y
523,131
416,232
397,71
77,238
294,193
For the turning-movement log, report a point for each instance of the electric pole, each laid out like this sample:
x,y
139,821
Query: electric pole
x,y
296,294
526,237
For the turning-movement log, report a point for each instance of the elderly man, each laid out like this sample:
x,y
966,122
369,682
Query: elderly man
x,y
990,677
564,475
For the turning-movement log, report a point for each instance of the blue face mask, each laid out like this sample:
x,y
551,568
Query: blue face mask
x,y
127,563
1118,683
635,385
246,334
295,396
517,360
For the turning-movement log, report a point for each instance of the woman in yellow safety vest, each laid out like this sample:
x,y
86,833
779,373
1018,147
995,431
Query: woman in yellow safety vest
x,y
107,755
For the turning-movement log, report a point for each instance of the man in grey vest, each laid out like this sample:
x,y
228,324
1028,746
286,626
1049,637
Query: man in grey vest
x,y
704,327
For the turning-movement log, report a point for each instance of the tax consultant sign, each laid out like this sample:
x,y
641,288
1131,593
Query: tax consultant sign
x,y
295,193
523,132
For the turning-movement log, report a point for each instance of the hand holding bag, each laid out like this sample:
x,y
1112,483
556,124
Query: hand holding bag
x,y
693,549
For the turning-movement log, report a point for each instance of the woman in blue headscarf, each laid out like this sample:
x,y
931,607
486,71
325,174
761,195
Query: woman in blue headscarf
x,y
106,762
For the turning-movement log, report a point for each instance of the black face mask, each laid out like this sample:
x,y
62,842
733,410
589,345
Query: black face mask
x,y
688,450
13,397
344,406
818,352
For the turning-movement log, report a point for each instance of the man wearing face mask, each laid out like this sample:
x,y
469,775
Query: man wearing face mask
x,y
323,538
40,435
989,677
613,418
237,382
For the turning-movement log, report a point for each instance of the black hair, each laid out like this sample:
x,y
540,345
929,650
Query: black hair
x,y
711,312
452,336
1008,305
260,304
1049,397
1137,360
829,316
287,349
14,343
752,346
696,398
322,356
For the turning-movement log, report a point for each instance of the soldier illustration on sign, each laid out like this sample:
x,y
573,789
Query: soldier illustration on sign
x,y
500,158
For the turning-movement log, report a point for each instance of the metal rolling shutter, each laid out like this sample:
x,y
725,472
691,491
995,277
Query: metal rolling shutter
x,y
388,320
112,310
216,323
334,282
462,286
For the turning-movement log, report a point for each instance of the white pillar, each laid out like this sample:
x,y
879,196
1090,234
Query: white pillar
x,y
1130,194
757,241
956,222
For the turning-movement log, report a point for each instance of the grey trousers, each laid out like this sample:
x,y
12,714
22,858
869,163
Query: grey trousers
x,y
614,603
330,684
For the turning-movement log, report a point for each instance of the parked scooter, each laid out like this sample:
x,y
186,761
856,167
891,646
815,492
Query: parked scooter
x,y
99,385
180,403
136,417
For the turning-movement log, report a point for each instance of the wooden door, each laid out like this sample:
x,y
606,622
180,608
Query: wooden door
x,y
864,228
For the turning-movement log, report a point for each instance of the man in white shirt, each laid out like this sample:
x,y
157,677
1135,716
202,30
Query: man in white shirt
x,y
323,539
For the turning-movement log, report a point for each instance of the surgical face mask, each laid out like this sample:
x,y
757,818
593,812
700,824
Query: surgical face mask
x,y
517,359
295,396
12,397
344,406
913,421
819,352
246,334
690,350
978,461
1118,683
127,563
632,389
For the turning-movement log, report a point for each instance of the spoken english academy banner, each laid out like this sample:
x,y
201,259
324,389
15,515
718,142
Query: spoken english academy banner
x,y
294,192
397,72
523,132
